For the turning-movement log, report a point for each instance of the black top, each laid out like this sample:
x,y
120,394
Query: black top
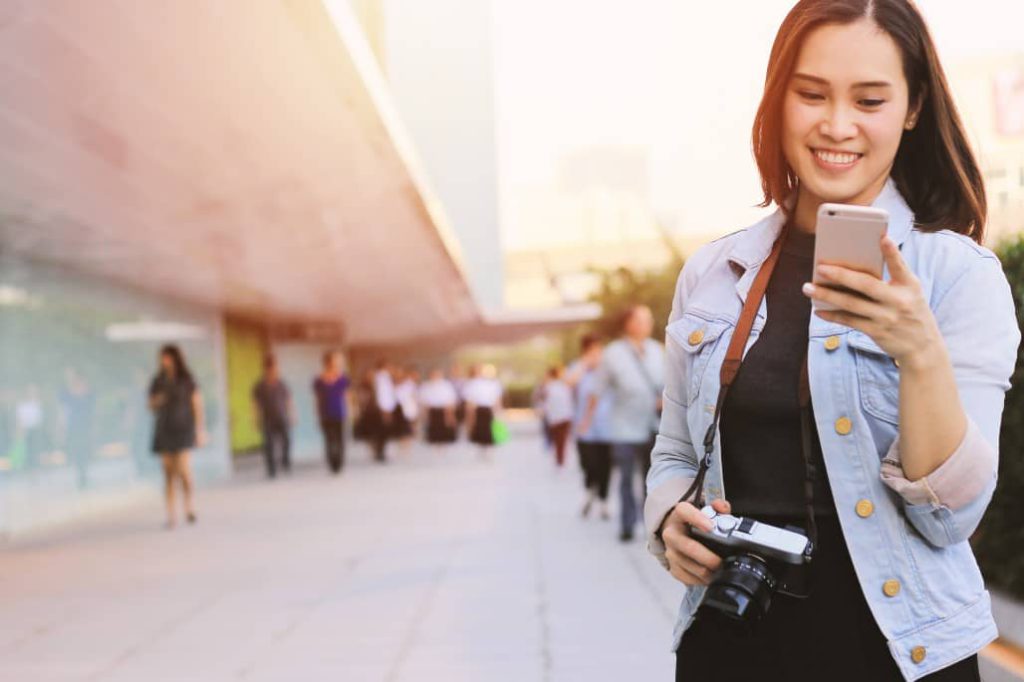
x,y
763,466
272,399
175,428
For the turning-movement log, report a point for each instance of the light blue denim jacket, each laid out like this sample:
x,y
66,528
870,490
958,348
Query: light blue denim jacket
x,y
914,533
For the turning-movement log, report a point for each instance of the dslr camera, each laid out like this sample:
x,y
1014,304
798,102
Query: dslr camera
x,y
758,560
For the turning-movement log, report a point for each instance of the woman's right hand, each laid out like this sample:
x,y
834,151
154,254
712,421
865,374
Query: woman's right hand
x,y
689,561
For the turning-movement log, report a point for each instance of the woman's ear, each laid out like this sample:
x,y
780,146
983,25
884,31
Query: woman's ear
x,y
915,111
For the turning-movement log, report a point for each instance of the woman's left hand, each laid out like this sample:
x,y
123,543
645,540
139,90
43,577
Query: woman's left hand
x,y
895,314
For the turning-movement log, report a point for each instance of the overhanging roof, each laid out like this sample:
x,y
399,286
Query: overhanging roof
x,y
241,155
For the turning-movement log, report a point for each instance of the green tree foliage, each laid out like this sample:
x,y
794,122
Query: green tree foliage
x,y
623,287
1000,538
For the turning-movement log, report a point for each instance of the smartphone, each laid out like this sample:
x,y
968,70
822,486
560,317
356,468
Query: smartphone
x,y
849,236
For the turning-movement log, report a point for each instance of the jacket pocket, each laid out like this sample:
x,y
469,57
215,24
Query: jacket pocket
x,y
878,378
698,338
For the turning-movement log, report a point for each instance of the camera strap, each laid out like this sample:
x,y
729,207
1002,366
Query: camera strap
x,y
727,375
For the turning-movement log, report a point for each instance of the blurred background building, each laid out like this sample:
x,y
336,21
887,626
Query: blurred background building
x,y
256,190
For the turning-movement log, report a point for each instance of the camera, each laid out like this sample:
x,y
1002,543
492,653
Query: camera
x,y
758,560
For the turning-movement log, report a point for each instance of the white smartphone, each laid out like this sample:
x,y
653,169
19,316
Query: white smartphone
x,y
849,236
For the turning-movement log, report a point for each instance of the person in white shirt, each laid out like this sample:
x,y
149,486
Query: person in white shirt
x,y
557,407
439,398
386,403
408,409
483,398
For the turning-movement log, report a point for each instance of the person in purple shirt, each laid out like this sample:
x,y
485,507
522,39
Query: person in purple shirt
x,y
331,387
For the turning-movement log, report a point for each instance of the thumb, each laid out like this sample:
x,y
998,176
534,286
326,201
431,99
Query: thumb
x,y
721,506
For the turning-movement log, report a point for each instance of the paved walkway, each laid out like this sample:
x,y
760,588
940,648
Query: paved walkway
x,y
431,568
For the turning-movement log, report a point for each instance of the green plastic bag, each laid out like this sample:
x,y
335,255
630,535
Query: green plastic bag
x,y
499,431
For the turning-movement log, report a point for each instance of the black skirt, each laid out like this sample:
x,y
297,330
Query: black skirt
x,y
365,425
438,430
830,635
400,425
482,420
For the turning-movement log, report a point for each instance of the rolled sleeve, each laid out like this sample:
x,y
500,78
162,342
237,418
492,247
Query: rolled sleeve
x,y
978,322
968,472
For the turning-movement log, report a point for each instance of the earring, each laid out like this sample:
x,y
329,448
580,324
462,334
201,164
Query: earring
x,y
910,124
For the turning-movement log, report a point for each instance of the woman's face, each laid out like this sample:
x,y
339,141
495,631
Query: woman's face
x,y
166,363
844,112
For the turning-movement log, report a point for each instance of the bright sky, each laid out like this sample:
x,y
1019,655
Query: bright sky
x,y
681,78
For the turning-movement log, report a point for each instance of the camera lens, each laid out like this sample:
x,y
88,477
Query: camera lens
x,y
831,212
742,590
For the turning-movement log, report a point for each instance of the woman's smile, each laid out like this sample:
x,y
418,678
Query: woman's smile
x,y
834,161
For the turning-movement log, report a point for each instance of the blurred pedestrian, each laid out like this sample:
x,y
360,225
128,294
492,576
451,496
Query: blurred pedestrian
x,y
408,409
632,373
331,388
363,426
537,398
558,410
385,404
483,401
593,446
78,404
275,415
457,376
180,426
28,427
438,396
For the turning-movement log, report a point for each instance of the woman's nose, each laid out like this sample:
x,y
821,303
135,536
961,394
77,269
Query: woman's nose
x,y
839,124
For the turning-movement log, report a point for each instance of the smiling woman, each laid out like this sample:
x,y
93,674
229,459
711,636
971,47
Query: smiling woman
x,y
835,131
872,426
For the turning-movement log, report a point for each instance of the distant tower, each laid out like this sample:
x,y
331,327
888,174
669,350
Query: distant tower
x,y
438,58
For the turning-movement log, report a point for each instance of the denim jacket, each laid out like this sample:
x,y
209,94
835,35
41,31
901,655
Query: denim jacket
x,y
908,539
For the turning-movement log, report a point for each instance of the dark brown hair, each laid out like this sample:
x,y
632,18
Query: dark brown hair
x,y
181,370
934,169
589,341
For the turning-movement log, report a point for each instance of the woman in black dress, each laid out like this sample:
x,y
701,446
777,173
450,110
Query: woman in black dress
x,y
178,407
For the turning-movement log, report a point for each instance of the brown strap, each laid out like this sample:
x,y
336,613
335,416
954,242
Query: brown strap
x,y
734,354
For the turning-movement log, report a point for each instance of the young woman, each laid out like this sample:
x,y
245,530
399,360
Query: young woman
x,y
177,405
874,427
439,397
483,394
408,411
558,410
595,452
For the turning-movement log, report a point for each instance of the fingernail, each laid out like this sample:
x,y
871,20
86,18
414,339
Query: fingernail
x,y
808,288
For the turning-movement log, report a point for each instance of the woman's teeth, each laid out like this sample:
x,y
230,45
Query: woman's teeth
x,y
836,158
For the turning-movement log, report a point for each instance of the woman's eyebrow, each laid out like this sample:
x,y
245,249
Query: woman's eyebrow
x,y
862,84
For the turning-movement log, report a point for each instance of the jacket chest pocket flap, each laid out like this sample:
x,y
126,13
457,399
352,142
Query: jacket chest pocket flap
x,y
878,378
698,339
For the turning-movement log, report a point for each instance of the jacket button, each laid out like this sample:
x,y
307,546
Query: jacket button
x,y
864,508
891,588
696,337
831,343
844,426
917,654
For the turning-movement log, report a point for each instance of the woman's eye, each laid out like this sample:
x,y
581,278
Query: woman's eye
x,y
812,96
872,103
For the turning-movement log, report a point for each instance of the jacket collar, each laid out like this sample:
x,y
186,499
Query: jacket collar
x,y
753,245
